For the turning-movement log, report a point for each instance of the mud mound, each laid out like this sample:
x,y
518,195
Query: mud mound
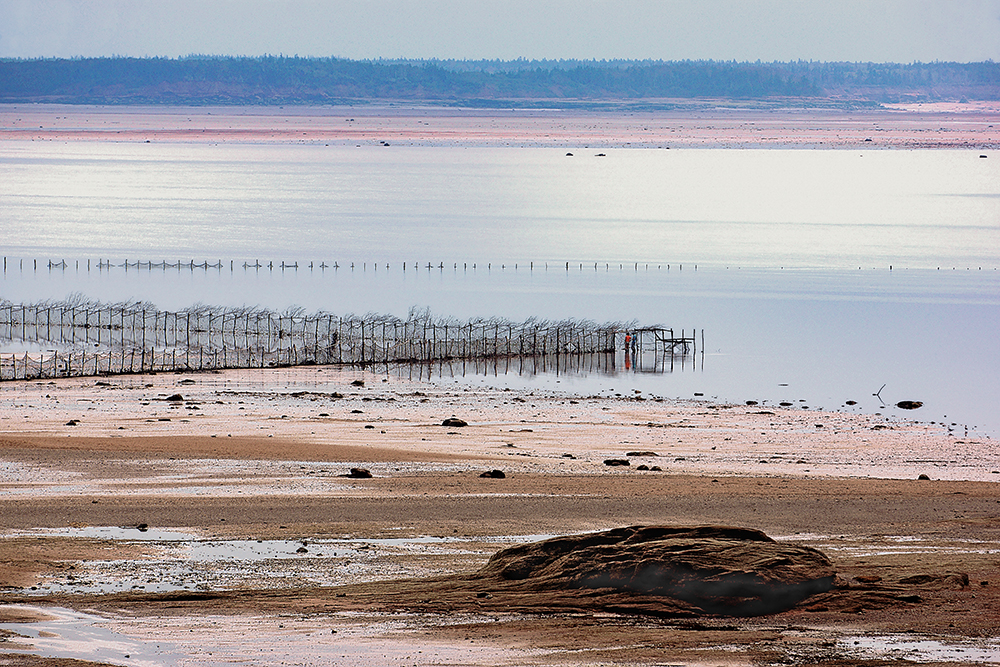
x,y
709,569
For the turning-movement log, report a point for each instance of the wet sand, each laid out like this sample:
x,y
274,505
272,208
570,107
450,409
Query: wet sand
x,y
703,124
257,460
263,455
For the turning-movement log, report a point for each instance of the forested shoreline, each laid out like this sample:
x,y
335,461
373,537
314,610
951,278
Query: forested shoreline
x,y
294,80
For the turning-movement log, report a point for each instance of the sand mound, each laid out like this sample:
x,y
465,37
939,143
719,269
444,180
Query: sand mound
x,y
709,569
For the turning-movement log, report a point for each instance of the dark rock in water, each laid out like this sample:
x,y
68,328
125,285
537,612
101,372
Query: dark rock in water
x,y
751,402
851,403
358,383
909,405
174,398
617,462
693,570
493,474
360,473
454,421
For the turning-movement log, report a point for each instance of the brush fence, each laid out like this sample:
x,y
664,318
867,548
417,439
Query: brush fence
x,y
60,340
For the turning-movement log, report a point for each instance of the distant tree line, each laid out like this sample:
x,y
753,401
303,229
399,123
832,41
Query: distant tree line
x,y
288,80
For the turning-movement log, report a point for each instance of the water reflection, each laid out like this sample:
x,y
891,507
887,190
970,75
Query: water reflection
x,y
601,365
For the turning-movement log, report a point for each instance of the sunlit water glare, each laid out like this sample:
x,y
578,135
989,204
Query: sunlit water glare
x,y
817,276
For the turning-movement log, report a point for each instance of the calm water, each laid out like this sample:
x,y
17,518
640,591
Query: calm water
x,y
793,250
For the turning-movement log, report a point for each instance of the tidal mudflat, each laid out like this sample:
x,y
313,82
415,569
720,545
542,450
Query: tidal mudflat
x,y
321,515
228,525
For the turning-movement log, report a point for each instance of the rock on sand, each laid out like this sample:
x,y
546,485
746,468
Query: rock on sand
x,y
697,570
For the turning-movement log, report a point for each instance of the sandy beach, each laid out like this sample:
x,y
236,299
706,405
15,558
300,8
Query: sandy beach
x,y
132,504
692,125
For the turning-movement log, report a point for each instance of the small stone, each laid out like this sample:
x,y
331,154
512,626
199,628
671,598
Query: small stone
x,y
454,422
909,405
617,462
360,473
493,474
923,476
175,398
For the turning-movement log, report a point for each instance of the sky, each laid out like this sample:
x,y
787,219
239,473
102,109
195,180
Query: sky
x,y
745,30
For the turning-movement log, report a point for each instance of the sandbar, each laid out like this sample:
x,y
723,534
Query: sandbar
x,y
702,125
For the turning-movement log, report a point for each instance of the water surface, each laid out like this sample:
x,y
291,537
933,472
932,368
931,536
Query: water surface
x,y
817,276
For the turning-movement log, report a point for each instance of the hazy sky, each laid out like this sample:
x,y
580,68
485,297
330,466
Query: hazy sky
x,y
866,30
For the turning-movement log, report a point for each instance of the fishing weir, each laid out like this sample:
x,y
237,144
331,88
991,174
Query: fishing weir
x,y
67,339
107,265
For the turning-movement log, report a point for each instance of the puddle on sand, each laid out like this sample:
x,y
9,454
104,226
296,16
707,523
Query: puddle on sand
x,y
64,633
921,649
348,640
178,560
886,545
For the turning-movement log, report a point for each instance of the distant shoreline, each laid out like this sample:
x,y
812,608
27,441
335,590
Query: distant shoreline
x,y
711,125
589,84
